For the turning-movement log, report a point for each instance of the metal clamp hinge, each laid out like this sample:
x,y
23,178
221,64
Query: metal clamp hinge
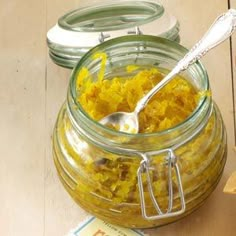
x,y
136,31
103,36
145,168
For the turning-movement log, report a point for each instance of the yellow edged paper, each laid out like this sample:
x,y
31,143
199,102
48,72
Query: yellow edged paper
x,y
96,227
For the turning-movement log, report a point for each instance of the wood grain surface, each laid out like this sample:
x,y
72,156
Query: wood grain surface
x,y
32,89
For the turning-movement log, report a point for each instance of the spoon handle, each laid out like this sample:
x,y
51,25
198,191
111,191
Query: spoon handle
x,y
221,29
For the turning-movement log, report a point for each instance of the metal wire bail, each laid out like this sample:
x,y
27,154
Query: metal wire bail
x,y
145,168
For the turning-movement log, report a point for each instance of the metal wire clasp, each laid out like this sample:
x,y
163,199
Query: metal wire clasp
x,y
145,168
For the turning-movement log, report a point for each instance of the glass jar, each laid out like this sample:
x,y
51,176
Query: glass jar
x,y
139,180
81,29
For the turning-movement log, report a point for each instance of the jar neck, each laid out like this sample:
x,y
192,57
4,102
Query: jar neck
x,y
119,142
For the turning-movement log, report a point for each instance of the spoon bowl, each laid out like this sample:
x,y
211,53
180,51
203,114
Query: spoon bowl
x,y
122,121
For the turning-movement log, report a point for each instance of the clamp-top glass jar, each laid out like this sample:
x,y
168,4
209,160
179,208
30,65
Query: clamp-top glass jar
x,y
139,180
81,29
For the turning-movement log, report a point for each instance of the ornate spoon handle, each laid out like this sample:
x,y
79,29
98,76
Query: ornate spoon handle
x,y
221,29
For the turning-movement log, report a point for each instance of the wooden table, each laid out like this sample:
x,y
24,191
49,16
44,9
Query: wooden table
x,y
32,89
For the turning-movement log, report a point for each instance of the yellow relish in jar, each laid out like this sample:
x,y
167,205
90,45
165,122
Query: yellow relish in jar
x,y
169,107
170,167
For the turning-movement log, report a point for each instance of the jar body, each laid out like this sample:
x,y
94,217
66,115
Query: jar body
x,y
100,168
102,179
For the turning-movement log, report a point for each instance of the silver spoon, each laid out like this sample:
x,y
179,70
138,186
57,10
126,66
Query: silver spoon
x,y
221,29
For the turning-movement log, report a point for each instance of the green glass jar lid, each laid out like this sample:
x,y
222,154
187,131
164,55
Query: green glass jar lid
x,y
111,16
81,29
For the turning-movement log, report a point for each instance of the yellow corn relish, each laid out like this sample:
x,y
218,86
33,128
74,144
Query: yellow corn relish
x,y
170,106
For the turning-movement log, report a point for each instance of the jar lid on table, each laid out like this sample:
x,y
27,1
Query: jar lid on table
x,y
81,29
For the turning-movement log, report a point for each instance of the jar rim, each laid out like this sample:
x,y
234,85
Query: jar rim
x,y
72,94
111,15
